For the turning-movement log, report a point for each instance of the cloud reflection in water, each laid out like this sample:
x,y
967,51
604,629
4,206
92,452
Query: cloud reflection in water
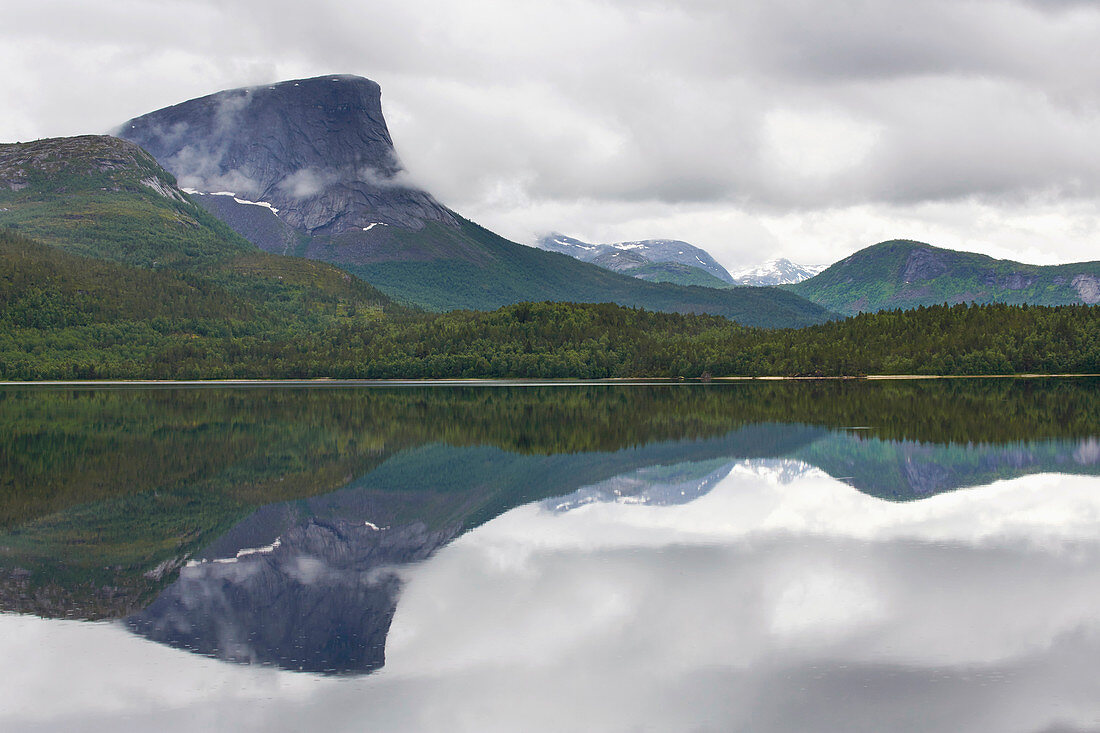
x,y
764,605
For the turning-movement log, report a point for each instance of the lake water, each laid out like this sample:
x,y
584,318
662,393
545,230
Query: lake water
x,y
841,556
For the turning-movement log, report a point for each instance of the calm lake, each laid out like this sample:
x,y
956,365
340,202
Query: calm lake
x,y
757,556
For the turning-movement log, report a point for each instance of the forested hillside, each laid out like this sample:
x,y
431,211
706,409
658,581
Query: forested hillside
x,y
68,317
906,274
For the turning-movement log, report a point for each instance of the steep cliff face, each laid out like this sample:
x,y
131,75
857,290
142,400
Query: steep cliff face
x,y
316,150
319,599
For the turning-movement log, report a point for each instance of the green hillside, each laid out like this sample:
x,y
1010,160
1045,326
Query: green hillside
x,y
494,271
906,274
677,273
137,324
103,197
99,197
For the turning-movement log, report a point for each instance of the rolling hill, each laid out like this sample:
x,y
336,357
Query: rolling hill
x,y
96,196
906,274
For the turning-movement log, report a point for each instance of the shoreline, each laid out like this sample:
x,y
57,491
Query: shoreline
x,y
507,382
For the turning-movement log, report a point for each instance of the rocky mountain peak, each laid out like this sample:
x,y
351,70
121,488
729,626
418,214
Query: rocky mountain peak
x,y
317,150
779,271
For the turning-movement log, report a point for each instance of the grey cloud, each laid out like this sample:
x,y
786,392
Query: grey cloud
x,y
777,632
305,183
502,108
802,607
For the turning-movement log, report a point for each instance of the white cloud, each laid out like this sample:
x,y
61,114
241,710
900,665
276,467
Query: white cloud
x,y
758,606
816,144
792,127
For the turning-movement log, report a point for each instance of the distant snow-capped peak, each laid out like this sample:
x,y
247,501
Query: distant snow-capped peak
x,y
643,251
779,271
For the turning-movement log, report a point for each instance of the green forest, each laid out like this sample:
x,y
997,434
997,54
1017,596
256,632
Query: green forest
x,y
64,316
102,486
255,315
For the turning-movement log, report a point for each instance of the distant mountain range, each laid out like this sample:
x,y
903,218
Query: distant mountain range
x,y
906,274
671,260
895,274
779,271
307,167
658,260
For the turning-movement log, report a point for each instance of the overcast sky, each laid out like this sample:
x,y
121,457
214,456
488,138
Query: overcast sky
x,y
798,128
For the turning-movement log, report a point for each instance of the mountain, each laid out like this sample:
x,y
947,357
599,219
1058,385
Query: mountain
x,y
103,197
906,274
670,260
308,168
642,258
674,272
317,150
94,231
779,271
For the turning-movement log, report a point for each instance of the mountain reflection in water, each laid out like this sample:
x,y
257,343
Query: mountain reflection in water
x,y
659,557
320,595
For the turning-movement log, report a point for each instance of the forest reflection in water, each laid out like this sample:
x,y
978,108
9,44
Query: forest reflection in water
x,y
672,557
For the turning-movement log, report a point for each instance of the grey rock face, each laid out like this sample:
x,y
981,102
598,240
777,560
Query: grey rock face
x,y
320,599
257,224
926,263
318,150
1088,287
620,260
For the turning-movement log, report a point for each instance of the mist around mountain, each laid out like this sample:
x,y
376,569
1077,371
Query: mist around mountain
x,y
316,152
109,270
907,274
308,168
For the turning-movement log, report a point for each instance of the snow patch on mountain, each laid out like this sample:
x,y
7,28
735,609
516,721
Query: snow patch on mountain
x,y
780,271
643,252
265,204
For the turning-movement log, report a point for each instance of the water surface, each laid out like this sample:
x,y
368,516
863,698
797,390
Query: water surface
x,y
764,556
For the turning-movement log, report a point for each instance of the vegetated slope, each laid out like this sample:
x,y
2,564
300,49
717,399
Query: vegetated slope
x,y
327,184
105,198
69,316
46,287
674,272
554,340
510,273
907,274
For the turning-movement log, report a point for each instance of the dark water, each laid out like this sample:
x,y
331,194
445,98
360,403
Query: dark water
x,y
902,556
